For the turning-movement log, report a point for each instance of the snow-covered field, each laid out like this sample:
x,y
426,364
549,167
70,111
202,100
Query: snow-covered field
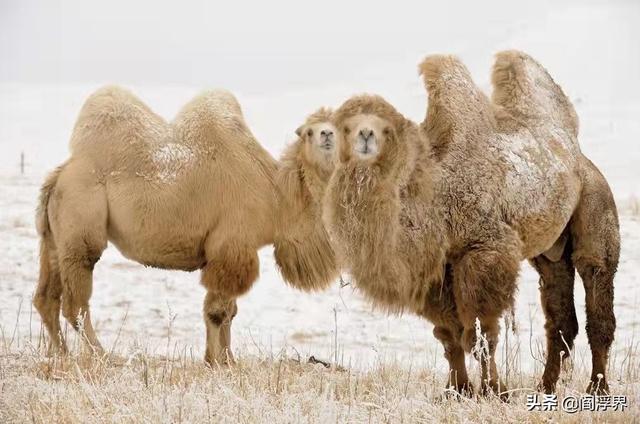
x,y
159,312
37,120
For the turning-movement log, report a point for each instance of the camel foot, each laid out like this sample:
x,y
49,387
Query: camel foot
x,y
494,388
599,387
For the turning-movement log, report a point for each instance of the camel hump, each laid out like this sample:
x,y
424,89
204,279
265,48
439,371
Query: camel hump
x,y
525,89
112,103
456,105
213,109
107,111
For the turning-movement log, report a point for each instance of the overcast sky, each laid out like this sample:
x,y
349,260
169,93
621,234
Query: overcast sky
x,y
251,44
260,47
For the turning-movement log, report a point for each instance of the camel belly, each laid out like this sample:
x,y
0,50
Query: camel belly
x,y
538,234
540,214
184,254
152,232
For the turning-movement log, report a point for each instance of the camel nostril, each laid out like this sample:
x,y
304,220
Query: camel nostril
x,y
326,133
366,133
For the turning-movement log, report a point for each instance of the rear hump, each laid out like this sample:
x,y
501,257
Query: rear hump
x,y
525,89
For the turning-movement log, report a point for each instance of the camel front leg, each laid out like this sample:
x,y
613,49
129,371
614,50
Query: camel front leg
x,y
485,352
218,315
484,285
453,352
231,269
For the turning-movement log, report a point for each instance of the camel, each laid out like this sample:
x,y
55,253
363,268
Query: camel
x,y
436,218
199,193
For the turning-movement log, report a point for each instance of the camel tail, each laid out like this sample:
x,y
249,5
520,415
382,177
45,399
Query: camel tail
x,y
42,212
526,90
456,105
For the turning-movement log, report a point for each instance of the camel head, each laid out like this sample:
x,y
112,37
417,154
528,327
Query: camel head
x,y
365,136
371,132
318,136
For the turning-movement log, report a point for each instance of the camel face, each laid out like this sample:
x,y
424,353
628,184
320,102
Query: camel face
x,y
320,140
365,135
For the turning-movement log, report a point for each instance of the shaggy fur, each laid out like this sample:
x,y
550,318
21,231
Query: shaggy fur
x,y
507,182
302,248
384,241
197,193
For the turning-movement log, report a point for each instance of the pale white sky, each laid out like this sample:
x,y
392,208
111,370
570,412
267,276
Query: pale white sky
x,y
285,58
254,45
263,47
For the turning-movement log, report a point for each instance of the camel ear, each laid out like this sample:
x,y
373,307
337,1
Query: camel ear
x,y
299,130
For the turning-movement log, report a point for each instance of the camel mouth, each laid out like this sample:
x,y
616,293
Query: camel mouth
x,y
326,145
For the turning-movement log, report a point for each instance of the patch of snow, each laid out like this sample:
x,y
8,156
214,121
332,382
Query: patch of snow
x,y
532,167
170,159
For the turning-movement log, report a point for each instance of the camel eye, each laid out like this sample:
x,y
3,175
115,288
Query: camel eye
x,y
309,132
386,131
346,130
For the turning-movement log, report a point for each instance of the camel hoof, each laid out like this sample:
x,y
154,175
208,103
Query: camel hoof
x,y
457,392
598,388
495,389
226,360
53,351
546,387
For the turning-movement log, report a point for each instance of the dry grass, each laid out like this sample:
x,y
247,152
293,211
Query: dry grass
x,y
180,388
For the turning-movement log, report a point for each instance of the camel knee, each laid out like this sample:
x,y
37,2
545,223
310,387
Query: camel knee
x,y
451,344
231,272
47,307
488,333
219,310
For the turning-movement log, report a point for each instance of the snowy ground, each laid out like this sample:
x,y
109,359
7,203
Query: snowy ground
x,y
146,304
36,119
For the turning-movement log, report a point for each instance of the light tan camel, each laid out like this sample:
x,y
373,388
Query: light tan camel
x,y
197,193
441,232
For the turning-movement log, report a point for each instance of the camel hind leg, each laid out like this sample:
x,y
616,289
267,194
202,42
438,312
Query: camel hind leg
x,y
556,295
79,225
596,250
48,295
76,269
